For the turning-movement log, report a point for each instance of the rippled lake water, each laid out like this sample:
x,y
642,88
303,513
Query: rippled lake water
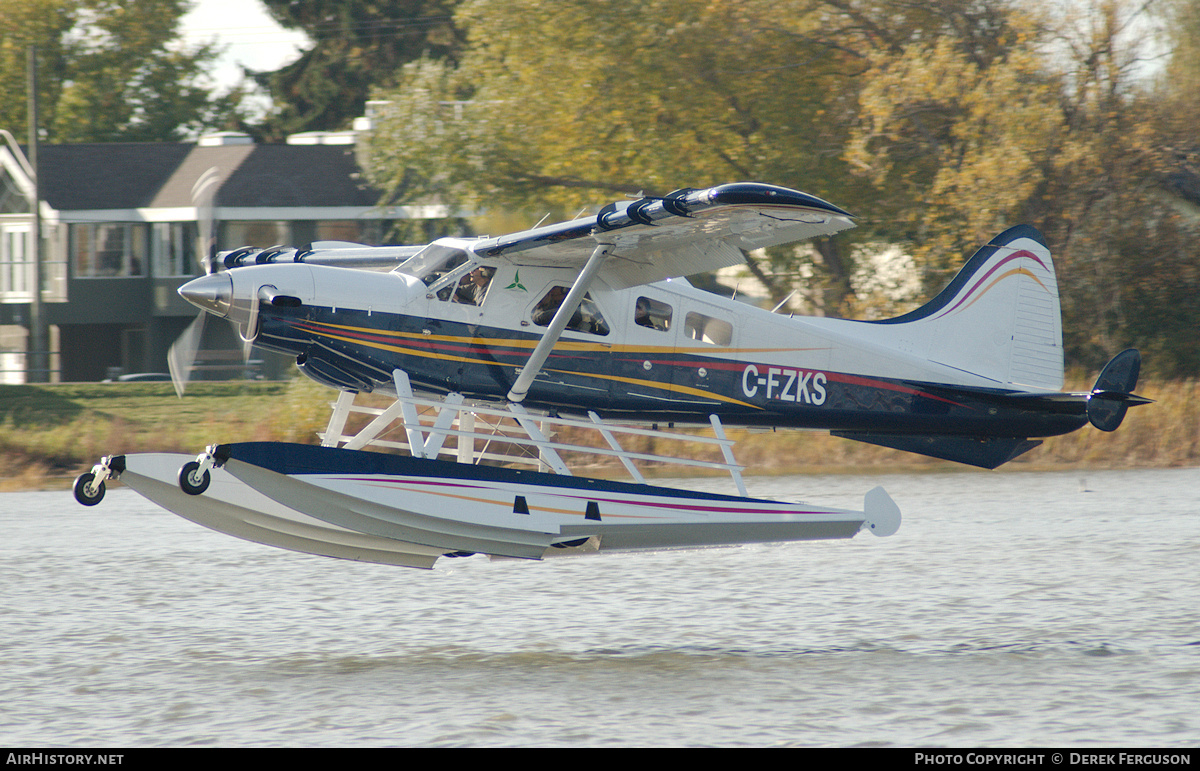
x,y
1012,609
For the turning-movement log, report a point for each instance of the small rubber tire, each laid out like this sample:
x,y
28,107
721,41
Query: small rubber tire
x,y
83,484
185,479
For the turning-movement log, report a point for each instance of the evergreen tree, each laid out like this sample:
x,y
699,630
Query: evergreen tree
x,y
357,45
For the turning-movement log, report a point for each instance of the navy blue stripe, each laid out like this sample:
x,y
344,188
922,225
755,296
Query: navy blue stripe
x,y
285,458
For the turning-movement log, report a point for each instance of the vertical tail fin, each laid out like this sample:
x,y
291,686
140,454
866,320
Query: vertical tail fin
x,y
999,318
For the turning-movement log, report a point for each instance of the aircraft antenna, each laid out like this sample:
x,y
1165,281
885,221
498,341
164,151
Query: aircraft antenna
x,y
783,301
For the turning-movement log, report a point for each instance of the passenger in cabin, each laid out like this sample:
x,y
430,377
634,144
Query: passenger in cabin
x,y
652,314
543,312
586,318
641,313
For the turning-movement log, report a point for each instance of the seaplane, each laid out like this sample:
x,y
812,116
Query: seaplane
x,y
533,339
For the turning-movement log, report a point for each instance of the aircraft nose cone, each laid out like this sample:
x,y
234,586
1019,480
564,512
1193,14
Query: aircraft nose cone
x,y
211,293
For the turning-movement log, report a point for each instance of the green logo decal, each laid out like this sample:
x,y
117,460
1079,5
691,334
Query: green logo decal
x,y
516,284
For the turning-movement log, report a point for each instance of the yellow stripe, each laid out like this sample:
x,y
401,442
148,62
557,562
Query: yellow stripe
x,y
411,351
663,387
670,387
566,345
997,280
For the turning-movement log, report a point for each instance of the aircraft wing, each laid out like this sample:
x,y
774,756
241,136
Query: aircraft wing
x,y
685,232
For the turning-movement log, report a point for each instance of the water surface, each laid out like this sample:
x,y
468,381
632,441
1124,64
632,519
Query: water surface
x,y
1012,609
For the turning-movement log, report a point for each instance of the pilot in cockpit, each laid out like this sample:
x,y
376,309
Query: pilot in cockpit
x,y
473,286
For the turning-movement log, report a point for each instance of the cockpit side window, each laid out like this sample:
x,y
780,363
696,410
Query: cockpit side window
x,y
587,318
653,314
472,287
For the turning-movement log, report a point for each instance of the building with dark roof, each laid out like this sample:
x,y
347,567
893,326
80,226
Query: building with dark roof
x,y
122,227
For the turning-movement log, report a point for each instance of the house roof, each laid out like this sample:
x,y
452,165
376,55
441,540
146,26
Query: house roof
x,y
162,175
106,176
298,175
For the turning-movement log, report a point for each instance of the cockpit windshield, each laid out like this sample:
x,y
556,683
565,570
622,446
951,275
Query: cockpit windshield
x,y
439,257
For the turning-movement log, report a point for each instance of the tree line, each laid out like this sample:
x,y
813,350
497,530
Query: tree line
x,y
938,123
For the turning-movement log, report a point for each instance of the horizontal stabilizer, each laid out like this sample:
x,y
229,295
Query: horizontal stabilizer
x,y
984,453
1112,395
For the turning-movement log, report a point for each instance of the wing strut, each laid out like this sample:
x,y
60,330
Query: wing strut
x,y
570,304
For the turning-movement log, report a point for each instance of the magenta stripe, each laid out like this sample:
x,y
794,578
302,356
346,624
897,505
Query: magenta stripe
x,y
996,267
648,504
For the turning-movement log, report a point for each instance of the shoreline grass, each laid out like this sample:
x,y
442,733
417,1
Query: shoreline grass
x,y
51,433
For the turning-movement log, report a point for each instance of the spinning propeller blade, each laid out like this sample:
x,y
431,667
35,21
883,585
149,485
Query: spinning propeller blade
x,y
181,359
203,192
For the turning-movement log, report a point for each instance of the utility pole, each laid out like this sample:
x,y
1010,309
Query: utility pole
x,y
37,358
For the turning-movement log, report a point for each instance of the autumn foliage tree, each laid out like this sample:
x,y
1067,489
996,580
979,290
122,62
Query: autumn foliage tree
x,y
556,106
1079,149
939,124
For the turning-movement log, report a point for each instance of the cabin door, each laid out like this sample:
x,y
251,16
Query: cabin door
x,y
704,352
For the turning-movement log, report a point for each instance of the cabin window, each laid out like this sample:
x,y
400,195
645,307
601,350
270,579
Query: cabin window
x,y
653,314
437,270
451,280
706,329
587,317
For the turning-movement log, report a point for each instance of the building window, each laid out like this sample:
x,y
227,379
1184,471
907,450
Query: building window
x,y
174,249
261,234
15,260
339,230
109,250
13,199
